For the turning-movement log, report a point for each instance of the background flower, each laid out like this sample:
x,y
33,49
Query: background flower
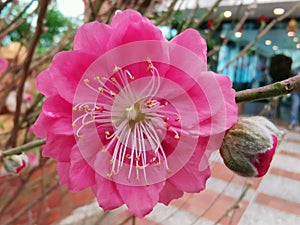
x,y
133,116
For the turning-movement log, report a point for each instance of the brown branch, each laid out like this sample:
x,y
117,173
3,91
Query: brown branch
x,y
291,85
168,14
17,17
207,13
39,29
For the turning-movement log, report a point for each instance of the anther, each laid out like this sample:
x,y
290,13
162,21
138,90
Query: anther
x,y
74,108
113,79
167,126
103,151
107,133
116,69
86,81
177,119
113,94
176,136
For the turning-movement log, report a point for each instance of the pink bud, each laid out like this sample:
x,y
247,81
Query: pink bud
x,y
249,146
28,98
15,163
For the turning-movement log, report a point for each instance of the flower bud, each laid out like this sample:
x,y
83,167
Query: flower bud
x,y
15,163
249,146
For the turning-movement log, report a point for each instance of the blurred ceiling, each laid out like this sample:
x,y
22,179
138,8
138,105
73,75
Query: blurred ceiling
x,y
261,7
280,42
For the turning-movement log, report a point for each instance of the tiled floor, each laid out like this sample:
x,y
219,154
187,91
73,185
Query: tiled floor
x,y
228,199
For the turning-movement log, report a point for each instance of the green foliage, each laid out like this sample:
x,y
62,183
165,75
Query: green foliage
x,y
55,25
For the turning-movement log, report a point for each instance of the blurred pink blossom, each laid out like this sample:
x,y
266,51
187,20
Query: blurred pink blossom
x,y
133,116
3,65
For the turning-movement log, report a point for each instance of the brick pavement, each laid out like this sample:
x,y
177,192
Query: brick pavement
x,y
271,200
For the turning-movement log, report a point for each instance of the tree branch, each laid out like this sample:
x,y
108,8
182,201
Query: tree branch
x,y
39,29
291,85
23,148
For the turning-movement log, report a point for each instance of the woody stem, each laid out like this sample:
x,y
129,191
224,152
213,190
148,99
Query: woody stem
x,y
288,86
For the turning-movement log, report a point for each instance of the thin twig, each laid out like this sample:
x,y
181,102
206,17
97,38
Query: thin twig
x,y
291,85
39,29
235,205
23,148
207,13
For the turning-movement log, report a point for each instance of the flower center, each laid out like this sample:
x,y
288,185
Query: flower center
x,y
139,120
134,114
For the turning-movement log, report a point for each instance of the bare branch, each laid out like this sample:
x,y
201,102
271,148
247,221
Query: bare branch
x,y
291,85
39,29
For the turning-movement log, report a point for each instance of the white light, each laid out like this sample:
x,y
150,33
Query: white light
x,y
268,42
238,34
295,39
71,7
227,14
291,34
278,11
298,46
275,47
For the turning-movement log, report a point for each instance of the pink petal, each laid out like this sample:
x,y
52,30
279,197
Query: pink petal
x,y
3,65
192,40
140,200
229,96
81,175
92,38
127,24
63,169
56,107
107,195
190,178
45,124
124,18
58,147
67,69
45,83
168,193
263,160
38,127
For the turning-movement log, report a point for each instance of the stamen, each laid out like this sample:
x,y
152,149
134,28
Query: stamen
x,y
135,123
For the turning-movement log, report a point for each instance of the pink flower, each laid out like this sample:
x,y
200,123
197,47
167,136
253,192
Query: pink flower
x,y
3,65
249,146
133,116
